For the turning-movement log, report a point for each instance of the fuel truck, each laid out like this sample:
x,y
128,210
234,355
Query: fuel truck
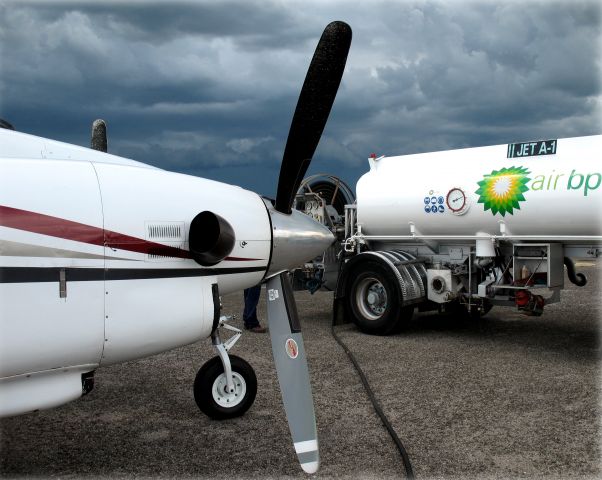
x,y
457,231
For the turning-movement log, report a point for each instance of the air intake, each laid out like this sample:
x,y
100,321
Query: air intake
x,y
211,238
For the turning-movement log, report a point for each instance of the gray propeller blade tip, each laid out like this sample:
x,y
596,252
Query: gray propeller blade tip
x,y
307,453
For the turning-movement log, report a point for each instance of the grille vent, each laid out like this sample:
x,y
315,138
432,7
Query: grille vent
x,y
158,257
172,234
165,231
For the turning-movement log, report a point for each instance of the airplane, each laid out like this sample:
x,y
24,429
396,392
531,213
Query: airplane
x,y
104,259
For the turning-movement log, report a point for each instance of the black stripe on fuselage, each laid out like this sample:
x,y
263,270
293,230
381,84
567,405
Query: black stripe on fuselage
x,y
51,274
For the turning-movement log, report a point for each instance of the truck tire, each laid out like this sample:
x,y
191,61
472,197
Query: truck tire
x,y
373,299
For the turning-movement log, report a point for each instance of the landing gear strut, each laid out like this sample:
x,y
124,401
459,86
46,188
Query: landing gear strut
x,y
225,386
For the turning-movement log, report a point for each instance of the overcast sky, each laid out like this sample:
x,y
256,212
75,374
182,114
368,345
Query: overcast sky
x,y
209,87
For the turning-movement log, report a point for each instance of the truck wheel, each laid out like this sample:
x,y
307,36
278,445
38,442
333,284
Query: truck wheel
x,y
373,300
210,388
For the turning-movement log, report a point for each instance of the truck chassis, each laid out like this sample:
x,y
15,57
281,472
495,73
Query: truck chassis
x,y
379,281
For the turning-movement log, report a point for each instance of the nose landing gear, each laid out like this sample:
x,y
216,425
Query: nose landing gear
x,y
225,386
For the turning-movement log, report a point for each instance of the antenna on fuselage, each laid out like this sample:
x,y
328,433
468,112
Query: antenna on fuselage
x,y
99,135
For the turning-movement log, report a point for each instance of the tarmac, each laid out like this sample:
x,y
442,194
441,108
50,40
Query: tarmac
x,y
509,396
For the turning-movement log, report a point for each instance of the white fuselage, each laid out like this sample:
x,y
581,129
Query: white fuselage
x,y
94,261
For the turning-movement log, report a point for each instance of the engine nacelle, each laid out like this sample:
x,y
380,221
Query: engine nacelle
x,y
211,238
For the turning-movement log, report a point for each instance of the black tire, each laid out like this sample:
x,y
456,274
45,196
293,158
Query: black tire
x,y
213,400
384,316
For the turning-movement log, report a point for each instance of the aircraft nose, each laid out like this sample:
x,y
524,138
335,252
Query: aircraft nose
x,y
296,239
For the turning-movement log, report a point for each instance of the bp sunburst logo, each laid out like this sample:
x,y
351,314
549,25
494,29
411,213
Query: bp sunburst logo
x,y
502,190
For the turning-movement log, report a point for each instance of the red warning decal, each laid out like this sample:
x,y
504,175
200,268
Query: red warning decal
x,y
292,349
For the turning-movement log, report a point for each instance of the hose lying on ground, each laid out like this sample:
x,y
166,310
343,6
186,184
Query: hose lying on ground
x,y
404,454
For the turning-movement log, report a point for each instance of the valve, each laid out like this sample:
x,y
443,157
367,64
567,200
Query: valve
x,y
528,303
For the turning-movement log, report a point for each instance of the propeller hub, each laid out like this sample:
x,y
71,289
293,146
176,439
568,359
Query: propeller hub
x,y
296,239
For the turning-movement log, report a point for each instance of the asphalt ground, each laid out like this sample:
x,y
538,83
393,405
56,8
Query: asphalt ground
x,y
507,397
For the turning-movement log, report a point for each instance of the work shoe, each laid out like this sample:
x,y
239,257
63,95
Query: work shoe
x,y
257,329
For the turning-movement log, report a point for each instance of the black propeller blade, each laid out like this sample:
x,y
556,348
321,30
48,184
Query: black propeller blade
x,y
99,135
5,124
313,107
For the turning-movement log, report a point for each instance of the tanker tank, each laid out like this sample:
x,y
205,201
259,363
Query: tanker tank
x,y
550,189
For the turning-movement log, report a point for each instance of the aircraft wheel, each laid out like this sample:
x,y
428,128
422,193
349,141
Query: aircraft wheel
x,y
374,300
210,388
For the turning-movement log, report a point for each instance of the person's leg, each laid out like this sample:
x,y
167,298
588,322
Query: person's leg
x,y
249,316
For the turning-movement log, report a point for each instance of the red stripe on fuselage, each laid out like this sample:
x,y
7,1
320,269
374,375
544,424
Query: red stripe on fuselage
x,y
49,225
80,232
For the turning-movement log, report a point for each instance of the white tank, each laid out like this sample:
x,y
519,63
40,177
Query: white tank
x,y
547,188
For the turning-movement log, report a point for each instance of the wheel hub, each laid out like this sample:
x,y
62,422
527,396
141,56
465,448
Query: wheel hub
x,y
371,298
229,399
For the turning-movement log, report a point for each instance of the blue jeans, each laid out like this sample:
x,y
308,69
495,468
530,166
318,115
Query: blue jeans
x,y
249,315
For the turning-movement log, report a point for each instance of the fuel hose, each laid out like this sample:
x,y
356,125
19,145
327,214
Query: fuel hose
x,y
377,408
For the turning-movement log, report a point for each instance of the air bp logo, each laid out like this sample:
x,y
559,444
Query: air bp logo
x,y
502,190
291,347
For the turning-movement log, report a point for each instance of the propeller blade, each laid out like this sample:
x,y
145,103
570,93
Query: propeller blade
x,y
313,107
99,135
291,366
5,124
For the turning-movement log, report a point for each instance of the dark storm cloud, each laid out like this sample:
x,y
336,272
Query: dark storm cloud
x,y
481,73
159,21
209,87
